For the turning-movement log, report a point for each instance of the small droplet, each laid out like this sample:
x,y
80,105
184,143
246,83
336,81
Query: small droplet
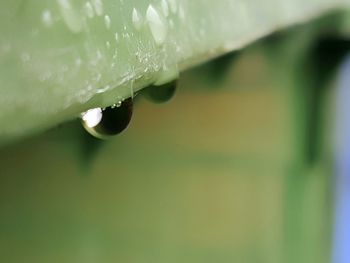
x,y
89,10
137,19
70,16
162,93
98,7
118,104
46,18
165,8
107,21
111,121
116,36
157,25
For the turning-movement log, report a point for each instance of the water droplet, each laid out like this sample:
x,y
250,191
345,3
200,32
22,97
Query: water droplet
x,y
165,8
104,123
157,25
137,19
167,74
89,10
118,104
107,21
92,118
46,18
116,36
98,7
162,93
70,16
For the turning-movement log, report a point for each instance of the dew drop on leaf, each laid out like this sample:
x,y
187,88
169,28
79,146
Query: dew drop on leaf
x,y
162,93
111,121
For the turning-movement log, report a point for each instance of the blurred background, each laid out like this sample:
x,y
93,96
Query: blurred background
x,y
248,163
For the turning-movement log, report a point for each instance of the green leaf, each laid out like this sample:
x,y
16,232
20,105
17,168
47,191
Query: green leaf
x,y
59,58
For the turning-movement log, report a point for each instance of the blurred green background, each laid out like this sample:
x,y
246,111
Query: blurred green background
x,y
232,170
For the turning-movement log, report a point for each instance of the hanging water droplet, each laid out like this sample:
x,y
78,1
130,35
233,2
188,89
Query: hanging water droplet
x,y
162,93
104,123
